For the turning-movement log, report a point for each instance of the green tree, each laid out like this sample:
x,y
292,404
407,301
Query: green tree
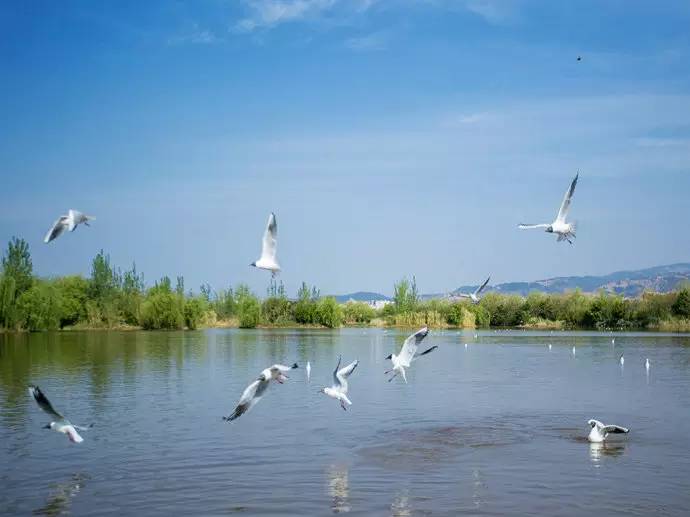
x,y
248,307
329,313
17,265
681,307
40,307
74,295
401,295
194,312
358,312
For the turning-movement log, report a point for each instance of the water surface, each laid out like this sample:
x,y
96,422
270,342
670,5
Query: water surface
x,y
498,427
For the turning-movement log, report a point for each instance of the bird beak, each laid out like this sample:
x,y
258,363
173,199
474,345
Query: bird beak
x,y
47,426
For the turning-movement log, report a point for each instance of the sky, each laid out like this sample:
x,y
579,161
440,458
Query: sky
x,y
390,137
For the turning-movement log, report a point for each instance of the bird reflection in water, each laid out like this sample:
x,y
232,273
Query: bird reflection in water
x,y
60,497
597,451
401,505
339,488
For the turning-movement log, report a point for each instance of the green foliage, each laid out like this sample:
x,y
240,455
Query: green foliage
x,y
40,307
358,313
276,311
304,310
504,311
74,295
248,308
681,307
8,302
405,296
194,311
130,296
329,313
162,308
17,265
224,303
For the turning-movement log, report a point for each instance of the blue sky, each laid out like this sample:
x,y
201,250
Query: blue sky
x,y
391,138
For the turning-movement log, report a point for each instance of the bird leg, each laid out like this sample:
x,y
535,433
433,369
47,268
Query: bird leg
x,y
342,405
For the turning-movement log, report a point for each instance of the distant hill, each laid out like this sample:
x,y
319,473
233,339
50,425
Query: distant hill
x,y
627,283
361,296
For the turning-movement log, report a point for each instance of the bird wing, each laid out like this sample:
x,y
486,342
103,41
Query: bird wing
x,y
74,217
44,403
428,350
344,373
250,396
270,241
282,368
481,287
565,206
524,226
336,379
57,229
463,295
409,348
614,429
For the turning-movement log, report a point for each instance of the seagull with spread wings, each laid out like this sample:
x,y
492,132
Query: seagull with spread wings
x,y
564,230
339,389
253,393
475,295
60,424
269,246
600,431
67,222
408,353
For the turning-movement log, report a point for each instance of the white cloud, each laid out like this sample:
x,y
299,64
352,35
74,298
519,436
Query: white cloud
x,y
266,14
369,42
195,35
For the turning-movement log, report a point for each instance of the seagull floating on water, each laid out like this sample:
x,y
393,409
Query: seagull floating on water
x,y
573,350
647,364
60,424
67,222
308,371
565,231
253,393
465,345
475,295
549,346
408,353
600,431
339,389
622,360
613,341
269,246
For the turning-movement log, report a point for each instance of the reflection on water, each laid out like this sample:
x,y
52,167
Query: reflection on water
x,y
401,504
597,451
339,488
60,497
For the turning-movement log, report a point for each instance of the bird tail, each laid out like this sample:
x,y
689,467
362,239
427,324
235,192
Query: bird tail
x,y
573,228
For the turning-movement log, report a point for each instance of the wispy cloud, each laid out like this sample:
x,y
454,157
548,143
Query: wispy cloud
x,y
195,35
496,12
369,42
265,14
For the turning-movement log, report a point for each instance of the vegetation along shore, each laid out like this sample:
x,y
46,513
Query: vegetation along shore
x,y
112,299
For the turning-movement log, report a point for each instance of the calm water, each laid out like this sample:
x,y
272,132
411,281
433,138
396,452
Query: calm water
x,y
497,428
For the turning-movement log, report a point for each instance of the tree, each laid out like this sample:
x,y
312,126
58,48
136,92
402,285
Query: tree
x,y
329,312
17,265
401,295
681,307
248,307
40,307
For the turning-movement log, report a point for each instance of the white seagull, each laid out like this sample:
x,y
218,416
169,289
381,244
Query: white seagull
x,y
308,371
647,365
573,350
565,231
622,360
60,424
339,389
253,393
67,222
475,295
600,431
408,353
268,248
549,346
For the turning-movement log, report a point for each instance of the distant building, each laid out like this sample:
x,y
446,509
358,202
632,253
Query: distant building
x,y
374,304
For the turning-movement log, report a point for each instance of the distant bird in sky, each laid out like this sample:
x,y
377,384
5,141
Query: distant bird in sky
x,y
253,393
579,58
475,295
600,431
60,424
67,222
269,246
308,371
408,353
339,389
565,231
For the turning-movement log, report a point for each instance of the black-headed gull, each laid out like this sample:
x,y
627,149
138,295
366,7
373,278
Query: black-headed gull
x,y
339,389
475,295
564,230
408,353
600,431
253,393
60,424
269,246
67,222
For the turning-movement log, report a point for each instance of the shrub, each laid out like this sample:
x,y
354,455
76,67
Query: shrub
x,y
194,312
329,313
162,310
73,292
276,310
358,312
40,307
248,308
681,307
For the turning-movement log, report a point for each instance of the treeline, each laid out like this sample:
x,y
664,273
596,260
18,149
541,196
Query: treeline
x,y
662,311
111,298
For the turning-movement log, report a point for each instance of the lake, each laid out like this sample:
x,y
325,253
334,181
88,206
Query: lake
x,y
498,427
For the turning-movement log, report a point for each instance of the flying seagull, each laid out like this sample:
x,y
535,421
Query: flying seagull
x,y
408,353
475,295
60,424
600,431
308,371
339,389
253,393
67,222
268,248
565,231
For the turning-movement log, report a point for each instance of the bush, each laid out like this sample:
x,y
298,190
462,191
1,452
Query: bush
x,y
358,312
162,310
248,308
329,313
194,312
73,291
276,310
681,307
40,307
